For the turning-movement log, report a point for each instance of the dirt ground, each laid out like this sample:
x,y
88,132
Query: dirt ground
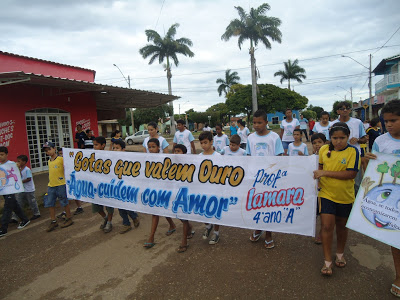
x,y
82,262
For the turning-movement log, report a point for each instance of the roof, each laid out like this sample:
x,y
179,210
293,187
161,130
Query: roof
x,y
107,97
381,67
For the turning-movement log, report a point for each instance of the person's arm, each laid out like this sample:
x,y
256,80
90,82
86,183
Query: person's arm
x,y
27,180
165,150
193,147
343,175
281,133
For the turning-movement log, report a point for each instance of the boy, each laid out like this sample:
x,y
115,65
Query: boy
x,y
119,145
99,143
234,147
206,143
7,182
220,140
303,125
80,136
390,143
297,148
184,136
287,127
373,132
323,125
89,139
56,187
263,142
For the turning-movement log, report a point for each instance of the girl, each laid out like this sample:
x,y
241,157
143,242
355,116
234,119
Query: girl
x,y
287,127
220,140
339,163
297,148
154,147
116,135
243,132
152,128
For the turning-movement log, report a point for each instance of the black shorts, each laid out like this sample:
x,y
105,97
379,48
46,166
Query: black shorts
x,y
326,206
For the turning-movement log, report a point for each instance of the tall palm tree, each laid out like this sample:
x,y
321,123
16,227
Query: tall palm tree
x,y
292,71
166,48
225,84
256,27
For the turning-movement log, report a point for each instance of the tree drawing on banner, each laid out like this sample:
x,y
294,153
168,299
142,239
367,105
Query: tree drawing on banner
x,y
383,169
395,171
366,184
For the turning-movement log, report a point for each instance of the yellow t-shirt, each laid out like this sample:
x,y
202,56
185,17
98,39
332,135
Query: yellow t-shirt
x,y
56,172
338,190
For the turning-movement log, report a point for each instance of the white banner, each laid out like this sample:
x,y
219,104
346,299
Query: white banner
x,y
10,179
376,211
266,193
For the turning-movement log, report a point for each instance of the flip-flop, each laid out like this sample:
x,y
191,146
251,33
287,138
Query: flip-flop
x,y
191,235
255,237
318,241
149,245
326,270
169,232
395,293
340,263
182,249
268,244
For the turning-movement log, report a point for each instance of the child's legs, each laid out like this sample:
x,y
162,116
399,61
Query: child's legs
x,y
96,208
396,260
78,203
132,214
268,236
285,146
327,229
61,192
186,231
110,213
30,196
216,227
124,215
154,224
52,211
171,223
9,204
341,233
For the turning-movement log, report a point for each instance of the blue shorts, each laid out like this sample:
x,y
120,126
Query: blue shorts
x,y
55,192
326,206
286,144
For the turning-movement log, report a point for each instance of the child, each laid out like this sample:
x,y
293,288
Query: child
x,y
10,202
206,143
220,140
390,143
56,187
287,127
154,147
297,148
80,136
263,143
184,137
373,132
339,163
152,128
243,133
303,126
119,145
323,125
234,148
99,143
115,136
89,139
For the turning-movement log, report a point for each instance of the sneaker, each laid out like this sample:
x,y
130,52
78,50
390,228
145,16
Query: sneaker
x,y
23,224
2,233
125,229
67,222
103,225
136,222
206,233
35,217
52,226
13,221
108,228
214,239
78,211
62,215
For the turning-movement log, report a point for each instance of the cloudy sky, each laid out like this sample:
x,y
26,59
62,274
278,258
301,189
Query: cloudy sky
x,y
98,34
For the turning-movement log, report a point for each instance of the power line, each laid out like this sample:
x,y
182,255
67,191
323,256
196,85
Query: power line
x,y
162,5
387,40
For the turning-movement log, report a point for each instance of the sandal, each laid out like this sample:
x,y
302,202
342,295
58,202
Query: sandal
x,y
340,263
327,270
394,292
269,244
255,236
318,240
169,232
182,249
191,234
149,245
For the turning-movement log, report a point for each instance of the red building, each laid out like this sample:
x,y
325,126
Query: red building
x,y
44,101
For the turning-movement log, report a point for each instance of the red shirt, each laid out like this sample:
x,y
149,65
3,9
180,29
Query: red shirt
x,y
311,124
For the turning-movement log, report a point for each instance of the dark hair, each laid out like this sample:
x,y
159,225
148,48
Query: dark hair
x,y
78,125
59,149
180,121
317,136
153,124
23,157
339,126
325,113
260,113
235,139
343,103
241,122
120,142
115,133
219,125
374,122
180,146
3,149
101,140
288,109
391,107
297,130
206,135
155,141
88,130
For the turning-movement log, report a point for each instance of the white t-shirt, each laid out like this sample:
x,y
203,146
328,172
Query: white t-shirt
x,y
184,138
386,144
294,150
220,142
288,129
265,145
356,130
214,153
227,151
163,143
10,179
207,128
318,128
25,174
243,133
303,123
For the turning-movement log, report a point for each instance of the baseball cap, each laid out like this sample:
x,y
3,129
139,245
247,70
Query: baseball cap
x,y
48,145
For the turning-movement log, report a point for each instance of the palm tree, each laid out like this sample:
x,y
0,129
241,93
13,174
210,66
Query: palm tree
x,y
256,27
166,48
225,84
292,71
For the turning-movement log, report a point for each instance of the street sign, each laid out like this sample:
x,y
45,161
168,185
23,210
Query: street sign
x,y
365,106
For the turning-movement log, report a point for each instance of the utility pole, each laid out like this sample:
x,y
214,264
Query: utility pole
x,y
129,85
370,89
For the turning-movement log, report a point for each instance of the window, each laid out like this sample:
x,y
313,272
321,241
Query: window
x,y
275,120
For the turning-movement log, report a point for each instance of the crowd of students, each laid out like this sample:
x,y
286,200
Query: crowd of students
x,y
336,143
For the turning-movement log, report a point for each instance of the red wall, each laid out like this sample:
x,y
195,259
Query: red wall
x,y
16,99
11,63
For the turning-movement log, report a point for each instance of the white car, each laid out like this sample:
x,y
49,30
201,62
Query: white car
x,y
137,138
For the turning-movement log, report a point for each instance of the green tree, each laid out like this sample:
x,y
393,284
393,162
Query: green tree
x,y
221,109
383,169
166,48
292,71
395,171
146,115
309,114
256,27
225,84
333,113
317,109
